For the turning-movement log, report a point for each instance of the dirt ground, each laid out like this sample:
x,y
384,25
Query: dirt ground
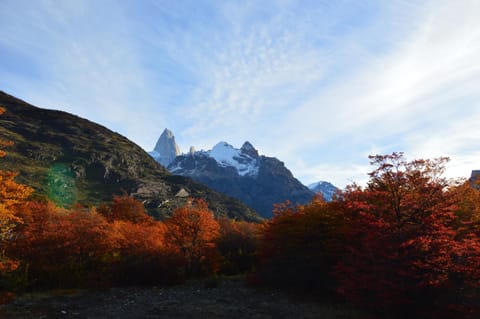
x,y
229,299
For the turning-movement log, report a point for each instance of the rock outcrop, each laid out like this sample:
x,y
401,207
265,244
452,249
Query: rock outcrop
x,y
166,148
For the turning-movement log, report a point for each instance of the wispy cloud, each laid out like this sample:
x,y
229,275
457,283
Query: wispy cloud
x,y
420,98
319,84
85,62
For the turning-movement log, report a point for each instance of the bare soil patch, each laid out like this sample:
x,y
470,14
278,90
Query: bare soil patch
x,y
229,299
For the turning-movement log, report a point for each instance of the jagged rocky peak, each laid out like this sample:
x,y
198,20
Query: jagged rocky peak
x,y
166,148
192,150
248,149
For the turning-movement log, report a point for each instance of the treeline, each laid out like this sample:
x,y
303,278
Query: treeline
x,y
119,244
405,246
46,246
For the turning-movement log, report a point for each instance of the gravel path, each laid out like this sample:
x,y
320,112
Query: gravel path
x,y
230,299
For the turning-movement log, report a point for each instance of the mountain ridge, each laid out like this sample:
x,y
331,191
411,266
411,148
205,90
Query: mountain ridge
x,y
257,180
65,157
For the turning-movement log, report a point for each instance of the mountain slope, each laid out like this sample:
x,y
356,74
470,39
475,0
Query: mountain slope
x,y
258,181
70,159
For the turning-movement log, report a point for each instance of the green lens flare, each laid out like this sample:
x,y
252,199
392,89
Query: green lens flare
x,y
61,187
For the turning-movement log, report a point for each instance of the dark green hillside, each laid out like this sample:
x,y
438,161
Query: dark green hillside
x,y
70,159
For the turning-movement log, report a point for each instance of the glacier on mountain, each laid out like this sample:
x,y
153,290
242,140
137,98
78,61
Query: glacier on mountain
x,y
240,159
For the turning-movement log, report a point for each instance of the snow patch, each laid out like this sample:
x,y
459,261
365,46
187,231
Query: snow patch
x,y
226,155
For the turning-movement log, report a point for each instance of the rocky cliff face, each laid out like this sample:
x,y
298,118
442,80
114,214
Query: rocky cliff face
x,y
166,148
72,160
258,181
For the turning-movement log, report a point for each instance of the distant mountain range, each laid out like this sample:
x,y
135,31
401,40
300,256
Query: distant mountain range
x,y
72,160
325,188
258,181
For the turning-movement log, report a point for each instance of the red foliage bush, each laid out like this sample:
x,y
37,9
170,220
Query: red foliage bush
x,y
407,245
301,246
405,255
237,245
125,208
57,246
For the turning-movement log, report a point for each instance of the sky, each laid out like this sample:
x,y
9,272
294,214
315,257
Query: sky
x,y
319,84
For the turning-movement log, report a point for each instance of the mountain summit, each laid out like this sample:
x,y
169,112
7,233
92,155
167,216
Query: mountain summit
x,y
244,161
166,148
248,149
257,180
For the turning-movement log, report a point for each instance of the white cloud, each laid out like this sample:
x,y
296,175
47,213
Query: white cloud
x,y
318,85
340,174
87,63
428,85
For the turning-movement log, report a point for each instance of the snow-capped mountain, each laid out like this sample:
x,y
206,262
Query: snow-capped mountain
x,y
244,160
327,189
259,181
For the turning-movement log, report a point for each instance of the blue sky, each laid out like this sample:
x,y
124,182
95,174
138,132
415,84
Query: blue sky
x,y
318,84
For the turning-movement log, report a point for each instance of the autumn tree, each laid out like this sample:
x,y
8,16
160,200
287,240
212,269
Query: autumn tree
x,y
125,208
237,244
404,256
466,274
301,246
467,199
60,247
12,195
68,247
191,232
139,254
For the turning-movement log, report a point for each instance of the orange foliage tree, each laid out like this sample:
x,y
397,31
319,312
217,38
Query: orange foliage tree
x,y
58,247
191,232
61,247
468,208
125,208
12,195
140,256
